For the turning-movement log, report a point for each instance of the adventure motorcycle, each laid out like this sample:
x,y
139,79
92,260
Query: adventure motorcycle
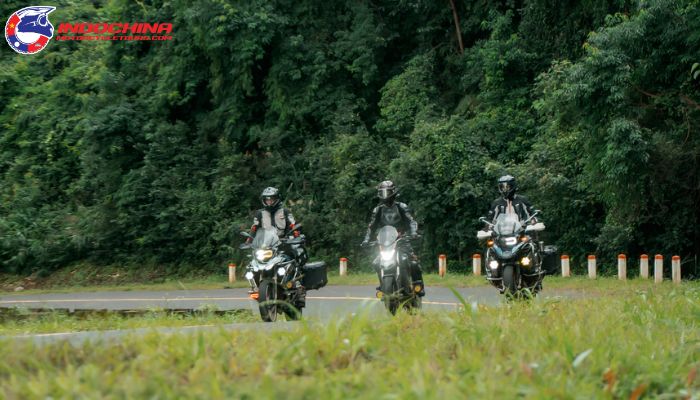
x,y
396,288
278,274
513,259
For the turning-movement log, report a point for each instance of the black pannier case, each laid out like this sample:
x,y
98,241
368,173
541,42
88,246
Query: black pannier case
x,y
550,260
315,275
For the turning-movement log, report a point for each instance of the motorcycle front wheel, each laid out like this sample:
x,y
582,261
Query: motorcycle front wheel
x,y
388,288
510,280
267,300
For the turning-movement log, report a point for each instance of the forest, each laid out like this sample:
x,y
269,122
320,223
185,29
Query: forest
x,y
156,152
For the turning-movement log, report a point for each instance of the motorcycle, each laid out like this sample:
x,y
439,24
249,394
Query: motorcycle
x,y
513,259
279,275
396,288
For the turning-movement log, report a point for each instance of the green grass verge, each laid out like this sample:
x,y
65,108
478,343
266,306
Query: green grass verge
x,y
15,322
637,340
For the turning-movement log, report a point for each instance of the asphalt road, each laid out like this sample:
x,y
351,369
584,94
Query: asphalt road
x,y
320,305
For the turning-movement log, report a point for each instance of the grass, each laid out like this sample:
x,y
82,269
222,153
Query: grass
x,y
22,322
640,339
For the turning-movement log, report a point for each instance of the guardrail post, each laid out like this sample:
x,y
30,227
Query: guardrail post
x,y
476,264
592,269
442,265
658,268
622,267
644,266
231,273
343,266
676,269
565,270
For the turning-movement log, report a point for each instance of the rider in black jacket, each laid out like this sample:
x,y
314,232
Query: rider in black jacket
x,y
510,202
398,215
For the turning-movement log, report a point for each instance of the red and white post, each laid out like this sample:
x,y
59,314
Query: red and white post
x,y
644,266
676,269
622,267
592,269
565,267
343,266
442,265
231,273
658,268
476,264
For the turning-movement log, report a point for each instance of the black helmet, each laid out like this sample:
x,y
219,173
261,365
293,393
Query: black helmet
x,y
507,186
386,191
270,197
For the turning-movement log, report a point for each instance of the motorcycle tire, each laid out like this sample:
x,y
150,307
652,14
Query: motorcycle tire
x,y
267,300
510,284
388,288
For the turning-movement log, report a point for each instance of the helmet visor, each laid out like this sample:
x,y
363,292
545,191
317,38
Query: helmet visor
x,y
505,187
269,200
385,193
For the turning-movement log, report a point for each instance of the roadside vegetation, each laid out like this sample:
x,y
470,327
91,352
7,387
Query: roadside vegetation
x,y
18,321
640,340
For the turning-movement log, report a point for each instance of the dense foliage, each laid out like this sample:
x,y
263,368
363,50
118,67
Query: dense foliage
x,y
155,152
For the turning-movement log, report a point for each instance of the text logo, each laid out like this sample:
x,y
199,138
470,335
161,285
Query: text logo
x,y
29,30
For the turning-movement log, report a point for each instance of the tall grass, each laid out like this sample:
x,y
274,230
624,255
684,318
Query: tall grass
x,y
634,341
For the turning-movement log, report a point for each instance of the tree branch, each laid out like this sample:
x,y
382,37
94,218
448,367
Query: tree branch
x,y
458,31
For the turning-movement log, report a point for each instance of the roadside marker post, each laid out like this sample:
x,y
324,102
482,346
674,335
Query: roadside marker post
x,y
476,264
442,265
622,267
592,269
644,266
658,268
231,273
676,269
343,266
565,268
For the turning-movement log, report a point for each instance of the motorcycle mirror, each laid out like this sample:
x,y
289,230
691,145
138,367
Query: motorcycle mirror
x,y
482,235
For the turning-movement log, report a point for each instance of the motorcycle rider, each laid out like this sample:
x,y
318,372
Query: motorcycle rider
x,y
512,203
398,215
274,216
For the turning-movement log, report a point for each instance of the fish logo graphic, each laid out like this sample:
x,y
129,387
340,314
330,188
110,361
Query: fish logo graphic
x,y
28,30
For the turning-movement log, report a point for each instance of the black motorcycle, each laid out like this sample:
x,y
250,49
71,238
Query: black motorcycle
x,y
513,259
396,287
279,275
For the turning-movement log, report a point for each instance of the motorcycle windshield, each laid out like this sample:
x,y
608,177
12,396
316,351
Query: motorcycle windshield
x,y
387,236
507,224
266,239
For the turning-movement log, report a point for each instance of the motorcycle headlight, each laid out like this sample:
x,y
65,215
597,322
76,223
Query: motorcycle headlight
x,y
263,255
493,264
510,241
281,271
525,261
249,275
387,255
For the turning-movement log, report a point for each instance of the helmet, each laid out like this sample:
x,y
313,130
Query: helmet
x,y
507,186
270,197
386,191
